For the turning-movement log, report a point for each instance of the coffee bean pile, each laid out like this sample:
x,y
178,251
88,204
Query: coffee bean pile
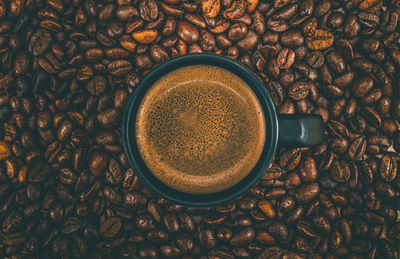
x,y
67,68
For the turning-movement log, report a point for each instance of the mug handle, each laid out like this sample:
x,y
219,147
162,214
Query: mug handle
x,y
299,130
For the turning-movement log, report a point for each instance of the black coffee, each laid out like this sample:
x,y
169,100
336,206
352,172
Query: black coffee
x,y
200,129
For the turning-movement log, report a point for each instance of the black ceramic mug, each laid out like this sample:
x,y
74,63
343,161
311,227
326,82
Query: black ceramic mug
x,y
281,130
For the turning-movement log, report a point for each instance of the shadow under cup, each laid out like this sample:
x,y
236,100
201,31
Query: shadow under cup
x,y
139,166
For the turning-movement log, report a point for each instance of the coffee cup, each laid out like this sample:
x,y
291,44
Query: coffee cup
x,y
201,130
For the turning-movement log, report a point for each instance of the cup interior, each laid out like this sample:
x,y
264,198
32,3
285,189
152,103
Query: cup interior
x,y
199,200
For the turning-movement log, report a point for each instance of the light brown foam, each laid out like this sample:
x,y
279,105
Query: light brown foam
x,y
200,129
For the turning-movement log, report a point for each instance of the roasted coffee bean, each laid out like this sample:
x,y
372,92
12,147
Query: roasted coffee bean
x,y
214,219
290,159
156,236
39,173
186,221
335,62
207,238
171,222
130,180
145,36
339,145
236,9
187,32
171,9
307,192
362,86
315,59
5,151
143,62
114,173
357,148
249,41
273,69
320,40
71,225
292,39
98,163
224,233
223,41
287,203
50,64
134,199
308,170
286,58
267,208
372,116
110,227
279,230
211,8
377,143
237,31
299,90
108,118
207,41
276,92
39,42
388,168
287,108
119,67
340,171
292,181
148,10
286,78
243,237
21,64
12,222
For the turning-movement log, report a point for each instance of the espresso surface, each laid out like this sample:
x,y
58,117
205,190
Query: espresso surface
x,y
200,129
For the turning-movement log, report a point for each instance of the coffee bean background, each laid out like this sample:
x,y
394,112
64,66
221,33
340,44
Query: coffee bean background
x,y
67,68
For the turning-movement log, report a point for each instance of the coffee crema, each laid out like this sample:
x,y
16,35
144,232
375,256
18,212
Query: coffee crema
x,y
200,129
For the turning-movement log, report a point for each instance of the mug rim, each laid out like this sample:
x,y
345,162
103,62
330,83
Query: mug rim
x,y
188,199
